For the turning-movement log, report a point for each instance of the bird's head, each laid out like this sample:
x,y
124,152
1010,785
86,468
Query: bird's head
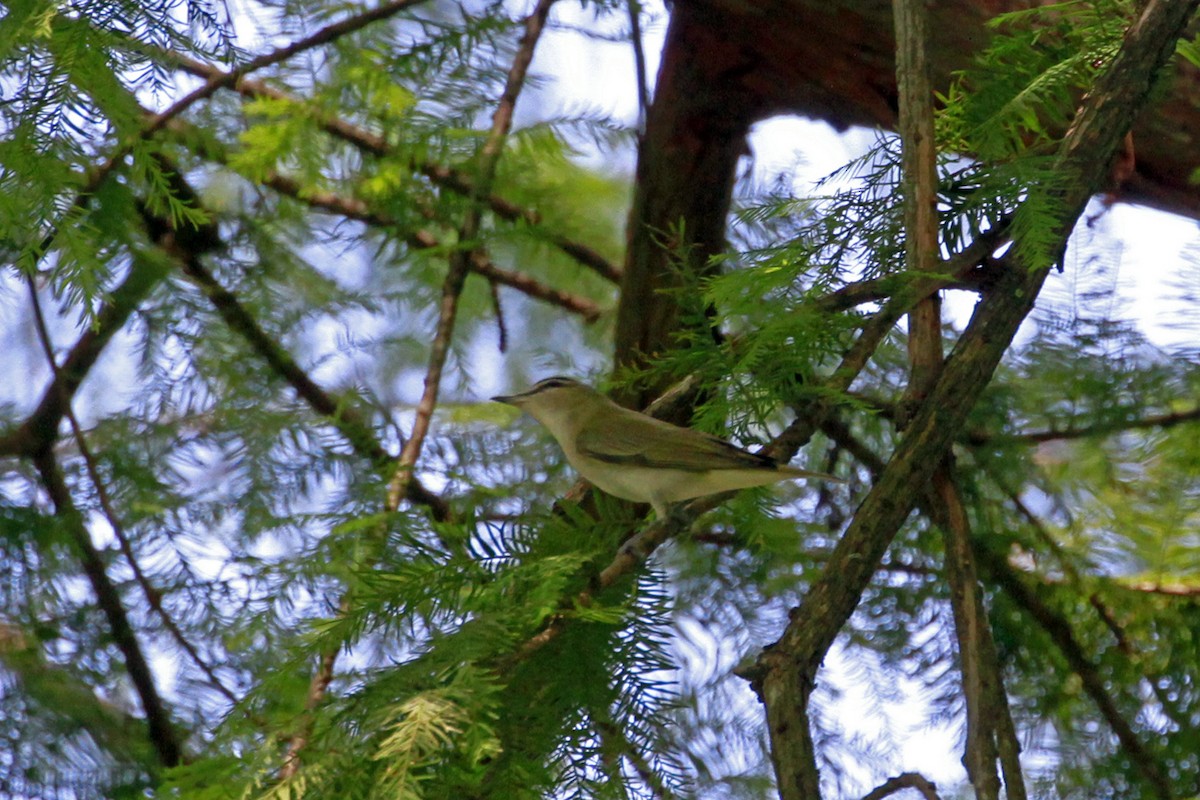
x,y
558,403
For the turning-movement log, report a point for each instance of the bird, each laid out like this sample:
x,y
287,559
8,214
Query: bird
x,y
636,457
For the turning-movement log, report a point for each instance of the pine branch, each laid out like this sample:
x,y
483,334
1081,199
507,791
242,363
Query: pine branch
x,y
345,418
185,247
1059,629
38,433
1124,645
373,144
361,211
479,263
163,736
403,480
157,122
330,33
152,595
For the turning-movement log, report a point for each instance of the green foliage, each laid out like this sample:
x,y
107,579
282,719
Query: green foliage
x,y
475,655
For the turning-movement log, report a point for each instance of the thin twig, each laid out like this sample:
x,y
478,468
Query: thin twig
x,y
501,326
460,260
317,686
1168,420
972,267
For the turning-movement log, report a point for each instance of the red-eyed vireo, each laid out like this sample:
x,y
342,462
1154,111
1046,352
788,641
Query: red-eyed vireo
x,y
640,458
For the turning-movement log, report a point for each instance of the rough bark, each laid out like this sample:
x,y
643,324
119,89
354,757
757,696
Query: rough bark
x,y
694,136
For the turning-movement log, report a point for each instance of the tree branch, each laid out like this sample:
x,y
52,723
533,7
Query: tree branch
x,y
919,168
907,780
446,177
162,731
152,595
639,60
787,669
39,431
990,730
1168,420
460,259
1059,630
479,263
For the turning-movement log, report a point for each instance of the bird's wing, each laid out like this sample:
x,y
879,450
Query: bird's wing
x,y
638,440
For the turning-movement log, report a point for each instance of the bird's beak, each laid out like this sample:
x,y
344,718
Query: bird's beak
x,y
510,399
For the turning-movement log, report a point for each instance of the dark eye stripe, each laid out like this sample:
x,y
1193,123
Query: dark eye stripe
x,y
557,382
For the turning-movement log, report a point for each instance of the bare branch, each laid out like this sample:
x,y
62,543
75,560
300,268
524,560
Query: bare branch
x,y
639,59
1168,420
907,780
317,686
991,733
919,168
